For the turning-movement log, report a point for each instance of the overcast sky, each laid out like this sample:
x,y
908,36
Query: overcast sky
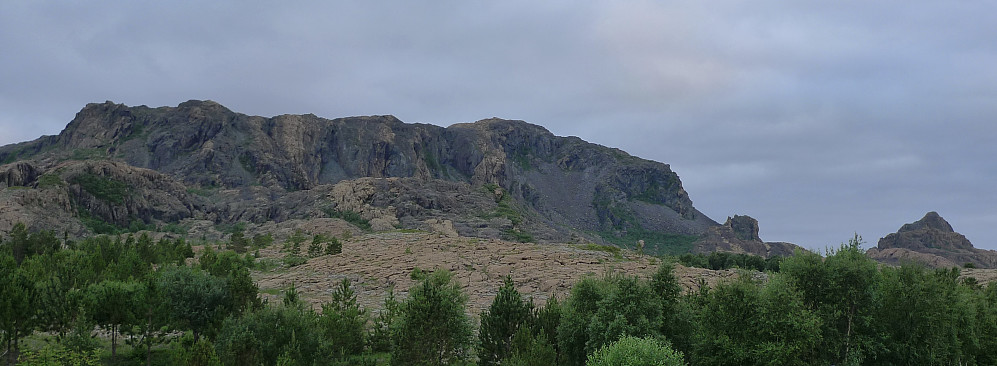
x,y
820,119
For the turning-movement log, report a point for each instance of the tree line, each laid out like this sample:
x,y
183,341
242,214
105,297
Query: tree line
x,y
838,309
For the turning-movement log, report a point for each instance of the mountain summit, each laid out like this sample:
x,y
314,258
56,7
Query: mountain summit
x,y
931,240
201,166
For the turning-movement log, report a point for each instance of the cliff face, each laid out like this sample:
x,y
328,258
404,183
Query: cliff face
x,y
931,240
226,167
739,234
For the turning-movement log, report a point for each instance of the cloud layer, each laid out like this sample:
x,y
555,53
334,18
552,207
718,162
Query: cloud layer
x,y
818,119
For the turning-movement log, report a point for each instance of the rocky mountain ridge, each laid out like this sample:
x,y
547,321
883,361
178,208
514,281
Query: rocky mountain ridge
x,y
739,234
118,166
932,241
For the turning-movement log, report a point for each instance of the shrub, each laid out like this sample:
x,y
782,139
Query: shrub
x,y
632,351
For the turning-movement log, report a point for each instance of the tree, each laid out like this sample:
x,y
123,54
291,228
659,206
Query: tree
x,y
238,242
315,248
235,270
150,323
262,241
17,305
434,328
113,304
500,323
531,348
925,316
631,309
262,336
343,321
293,243
577,313
334,246
676,316
380,338
743,323
841,289
193,299
633,351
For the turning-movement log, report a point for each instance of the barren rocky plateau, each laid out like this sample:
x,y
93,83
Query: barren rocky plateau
x,y
376,262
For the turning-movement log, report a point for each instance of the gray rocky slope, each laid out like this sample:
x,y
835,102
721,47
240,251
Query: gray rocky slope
x,y
200,162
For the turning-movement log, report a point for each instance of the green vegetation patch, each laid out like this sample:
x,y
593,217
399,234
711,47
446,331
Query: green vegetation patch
x,y
521,157
50,180
351,217
517,235
655,243
103,188
88,154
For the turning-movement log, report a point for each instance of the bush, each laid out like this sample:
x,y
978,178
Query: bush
x,y
292,260
632,351
200,353
263,336
54,354
351,217
334,247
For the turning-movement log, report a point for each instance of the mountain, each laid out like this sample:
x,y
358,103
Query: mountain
x,y
200,168
931,240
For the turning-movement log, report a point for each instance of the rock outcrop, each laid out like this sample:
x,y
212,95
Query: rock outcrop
x,y
931,241
217,165
739,234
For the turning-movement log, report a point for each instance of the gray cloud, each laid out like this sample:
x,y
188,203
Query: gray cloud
x,y
819,119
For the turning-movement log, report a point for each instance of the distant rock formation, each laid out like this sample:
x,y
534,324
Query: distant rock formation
x,y
740,235
931,241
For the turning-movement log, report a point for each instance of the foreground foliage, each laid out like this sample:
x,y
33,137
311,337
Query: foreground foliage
x,y
148,298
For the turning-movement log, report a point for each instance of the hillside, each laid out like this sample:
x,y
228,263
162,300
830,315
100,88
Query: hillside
x,y
198,168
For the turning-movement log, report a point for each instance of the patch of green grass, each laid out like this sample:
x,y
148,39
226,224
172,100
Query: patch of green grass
x,y
517,235
231,228
430,161
247,163
98,225
272,291
50,180
351,217
102,188
655,243
203,192
521,157
614,250
88,154
174,228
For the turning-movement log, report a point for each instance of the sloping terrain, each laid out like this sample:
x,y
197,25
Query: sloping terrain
x,y
376,262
